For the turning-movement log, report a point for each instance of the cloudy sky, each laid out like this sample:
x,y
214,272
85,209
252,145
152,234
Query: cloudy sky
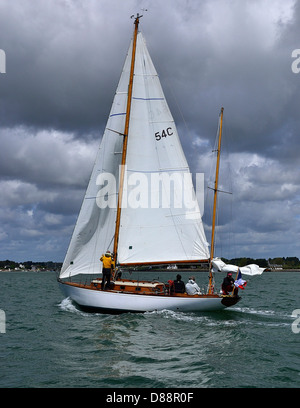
x,y
63,62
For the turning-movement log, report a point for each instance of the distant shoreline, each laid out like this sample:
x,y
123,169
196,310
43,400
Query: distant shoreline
x,y
27,270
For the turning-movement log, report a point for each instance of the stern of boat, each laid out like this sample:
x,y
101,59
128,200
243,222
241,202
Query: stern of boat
x,y
228,301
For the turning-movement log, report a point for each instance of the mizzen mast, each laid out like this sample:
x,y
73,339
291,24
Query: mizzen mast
x,y
210,285
125,136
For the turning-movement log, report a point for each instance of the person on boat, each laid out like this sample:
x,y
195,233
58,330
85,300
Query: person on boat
x,y
179,286
191,287
108,265
228,284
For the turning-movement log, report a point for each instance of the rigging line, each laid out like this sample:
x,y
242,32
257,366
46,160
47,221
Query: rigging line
x,y
178,107
211,175
218,241
110,242
232,203
212,160
219,191
115,131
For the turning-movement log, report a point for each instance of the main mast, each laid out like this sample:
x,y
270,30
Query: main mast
x,y
125,136
210,288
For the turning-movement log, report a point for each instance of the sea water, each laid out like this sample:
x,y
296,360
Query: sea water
x,y
48,342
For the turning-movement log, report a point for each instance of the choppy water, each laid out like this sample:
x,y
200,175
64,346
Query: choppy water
x,y
50,343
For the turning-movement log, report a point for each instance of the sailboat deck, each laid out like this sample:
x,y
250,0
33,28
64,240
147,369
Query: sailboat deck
x,y
132,286
142,284
138,288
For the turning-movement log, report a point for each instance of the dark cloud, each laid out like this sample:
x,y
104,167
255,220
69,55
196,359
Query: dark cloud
x,y
64,59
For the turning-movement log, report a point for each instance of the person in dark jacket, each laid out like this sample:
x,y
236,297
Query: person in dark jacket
x,y
179,285
228,284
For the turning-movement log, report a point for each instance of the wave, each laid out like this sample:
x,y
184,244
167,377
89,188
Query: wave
x,y
249,310
171,314
267,317
261,312
232,317
68,306
229,317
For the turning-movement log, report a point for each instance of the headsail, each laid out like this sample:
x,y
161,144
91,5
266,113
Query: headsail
x,y
151,229
94,230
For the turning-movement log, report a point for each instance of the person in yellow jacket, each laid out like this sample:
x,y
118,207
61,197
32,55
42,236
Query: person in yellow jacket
x,y
108,265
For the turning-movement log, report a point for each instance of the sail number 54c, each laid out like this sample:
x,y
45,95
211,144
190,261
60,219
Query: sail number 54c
x,y
164,133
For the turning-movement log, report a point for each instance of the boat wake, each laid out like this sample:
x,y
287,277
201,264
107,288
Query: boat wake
x,y
264,316
234,316
170,314
249,310
68,306
262,312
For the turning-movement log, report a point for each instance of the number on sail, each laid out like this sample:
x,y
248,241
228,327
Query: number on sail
x,y
163,133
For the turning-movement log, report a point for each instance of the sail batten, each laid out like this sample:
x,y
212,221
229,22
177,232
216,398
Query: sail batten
x,y
118,114
147,99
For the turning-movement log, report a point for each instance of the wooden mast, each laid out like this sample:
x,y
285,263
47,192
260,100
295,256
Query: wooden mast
x,y
210,286
125,135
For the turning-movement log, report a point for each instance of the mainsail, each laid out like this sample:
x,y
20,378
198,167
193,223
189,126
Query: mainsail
x,y
160,216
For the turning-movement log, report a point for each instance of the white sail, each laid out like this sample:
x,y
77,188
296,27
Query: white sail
x,y
94,230
152,233
250,270
149,232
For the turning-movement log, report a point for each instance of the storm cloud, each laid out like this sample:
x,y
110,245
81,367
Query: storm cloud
x,y
63,62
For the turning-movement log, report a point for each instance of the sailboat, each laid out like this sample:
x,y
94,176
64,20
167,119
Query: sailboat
x,y
133,205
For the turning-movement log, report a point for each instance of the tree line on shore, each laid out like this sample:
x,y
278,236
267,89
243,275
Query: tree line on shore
x,y
29,265
284,263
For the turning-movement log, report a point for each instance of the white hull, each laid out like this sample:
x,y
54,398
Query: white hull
x,y
112,302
